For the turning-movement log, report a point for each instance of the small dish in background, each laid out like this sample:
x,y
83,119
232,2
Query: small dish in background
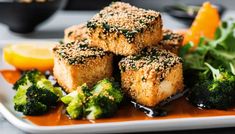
x,y
187,13
23,17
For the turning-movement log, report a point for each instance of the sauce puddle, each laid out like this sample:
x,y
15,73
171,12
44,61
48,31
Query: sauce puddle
x,y
10,76
179,108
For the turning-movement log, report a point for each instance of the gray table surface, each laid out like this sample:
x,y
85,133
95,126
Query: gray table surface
x,y
53,29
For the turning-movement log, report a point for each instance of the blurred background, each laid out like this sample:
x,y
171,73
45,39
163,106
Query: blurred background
x,y
151,4
46,19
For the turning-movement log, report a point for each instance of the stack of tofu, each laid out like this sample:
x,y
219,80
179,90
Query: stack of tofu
x,y
150,69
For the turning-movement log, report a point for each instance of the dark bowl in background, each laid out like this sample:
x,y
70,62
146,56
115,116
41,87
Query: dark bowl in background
x,y
87,4
178,13
24,17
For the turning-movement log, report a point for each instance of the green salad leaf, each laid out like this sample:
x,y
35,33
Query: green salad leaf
x,y
219,52
210,69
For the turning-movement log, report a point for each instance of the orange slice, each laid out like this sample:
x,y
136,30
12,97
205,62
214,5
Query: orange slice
x,y
205,24
30,56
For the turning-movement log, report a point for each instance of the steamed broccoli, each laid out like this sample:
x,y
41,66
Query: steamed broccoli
x,y
100,106
101,101
75,101
108,88
214,91
46,84
27,79
35,94
104,102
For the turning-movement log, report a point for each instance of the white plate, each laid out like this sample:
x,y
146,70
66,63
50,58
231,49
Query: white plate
x,y
7,110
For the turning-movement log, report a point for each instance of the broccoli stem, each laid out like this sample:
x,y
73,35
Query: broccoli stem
x,y
215,72
232,68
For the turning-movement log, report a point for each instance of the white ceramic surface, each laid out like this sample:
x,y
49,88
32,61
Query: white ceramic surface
x,y
7,110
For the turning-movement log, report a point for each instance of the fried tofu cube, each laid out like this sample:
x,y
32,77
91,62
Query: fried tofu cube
x,y
124,29
76,63
75,33
151,76
171,41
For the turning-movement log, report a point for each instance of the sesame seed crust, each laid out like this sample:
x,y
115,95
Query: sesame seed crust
x,y
78,52
122,18
171,38
75,33
160,61
171,41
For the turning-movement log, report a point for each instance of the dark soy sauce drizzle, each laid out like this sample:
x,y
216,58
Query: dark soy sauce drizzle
x,y
157,111
150,112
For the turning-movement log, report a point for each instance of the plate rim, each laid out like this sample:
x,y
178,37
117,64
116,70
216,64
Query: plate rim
x,y
125,126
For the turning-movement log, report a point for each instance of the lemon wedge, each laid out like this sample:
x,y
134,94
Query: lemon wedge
x,y
29,56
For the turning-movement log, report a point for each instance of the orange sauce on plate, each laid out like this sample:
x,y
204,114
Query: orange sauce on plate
x,y
10,76
179,108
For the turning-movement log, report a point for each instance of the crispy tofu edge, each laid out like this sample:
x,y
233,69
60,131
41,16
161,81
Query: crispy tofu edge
x,y
79,74
151,92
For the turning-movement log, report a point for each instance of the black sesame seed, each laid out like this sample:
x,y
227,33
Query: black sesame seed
x,y
143,79
106,27
70,33
159,60
78,53
91,25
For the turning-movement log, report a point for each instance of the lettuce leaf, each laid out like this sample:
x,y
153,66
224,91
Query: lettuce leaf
x,y
219,52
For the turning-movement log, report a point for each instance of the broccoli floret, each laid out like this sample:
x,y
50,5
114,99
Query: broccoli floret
x,y
42,95
101,101
46,84
23,82
108,88
33,107
34,76
35,94
27,79
29,101
105,100
75,109
100,106
20,99
75,101
216,92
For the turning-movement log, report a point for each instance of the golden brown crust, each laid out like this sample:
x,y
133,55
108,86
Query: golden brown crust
x,y
75,33
72,76
77,63
78,52
124,29
119,45
151,91
151,76
171,41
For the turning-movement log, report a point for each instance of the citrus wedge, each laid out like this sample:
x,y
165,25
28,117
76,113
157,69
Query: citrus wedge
x,y
205,24
30,56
